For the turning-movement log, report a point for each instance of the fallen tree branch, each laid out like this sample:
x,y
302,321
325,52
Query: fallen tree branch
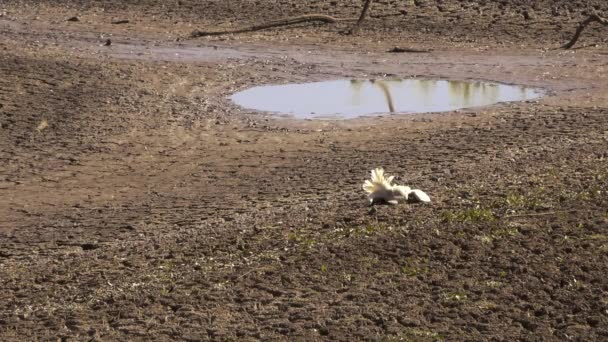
x,y
283,22
408,50
593,17
357,25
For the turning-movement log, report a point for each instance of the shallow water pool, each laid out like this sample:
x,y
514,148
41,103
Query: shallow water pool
x,y
346,99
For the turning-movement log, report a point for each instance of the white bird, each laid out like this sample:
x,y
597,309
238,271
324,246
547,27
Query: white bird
x,y
380,189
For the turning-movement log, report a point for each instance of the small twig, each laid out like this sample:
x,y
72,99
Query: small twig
x,y
539,214
121,21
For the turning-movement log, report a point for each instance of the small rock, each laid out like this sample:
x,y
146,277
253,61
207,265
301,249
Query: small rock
x,y
594,321
73,19
42,126
108,42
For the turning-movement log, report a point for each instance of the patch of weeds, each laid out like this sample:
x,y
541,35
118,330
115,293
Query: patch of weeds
x,y
533,199
449,216
486,305
515,200
562,216
412,271
372,229
485,239
164,291
366,231
369,261
455,296
503,274
301,239
412,267
598,237
324,268
501,233
221,285
471,215
588,195
165,273
347,277
494,283
269,256
553,173
594,193
583,196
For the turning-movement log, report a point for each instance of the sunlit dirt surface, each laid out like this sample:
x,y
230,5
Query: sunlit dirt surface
x,y
137,202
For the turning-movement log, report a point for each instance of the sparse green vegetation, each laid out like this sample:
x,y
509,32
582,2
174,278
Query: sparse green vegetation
x,y
301,239
494,283
486,305
415,335
533,199
308,240
515,200
485,239
371,229
150,206
413,267
471,215
369,261
501,233
455,296
411,271
347,277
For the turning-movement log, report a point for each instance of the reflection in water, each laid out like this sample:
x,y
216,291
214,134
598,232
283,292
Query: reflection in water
x,y
353,98
387,94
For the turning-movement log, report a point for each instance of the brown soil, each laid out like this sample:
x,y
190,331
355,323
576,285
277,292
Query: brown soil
x,y
138,203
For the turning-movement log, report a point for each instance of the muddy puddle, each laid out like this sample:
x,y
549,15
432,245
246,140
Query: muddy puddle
x,y
346,99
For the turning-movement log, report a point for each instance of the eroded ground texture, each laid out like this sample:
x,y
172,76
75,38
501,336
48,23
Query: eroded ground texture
x,y
138,203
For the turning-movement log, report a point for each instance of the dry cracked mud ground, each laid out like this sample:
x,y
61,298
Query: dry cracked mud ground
x,y
138,203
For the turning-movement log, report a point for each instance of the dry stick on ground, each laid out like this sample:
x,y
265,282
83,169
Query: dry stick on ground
x,y
593,17
410,50
283,22
357,25
540,214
